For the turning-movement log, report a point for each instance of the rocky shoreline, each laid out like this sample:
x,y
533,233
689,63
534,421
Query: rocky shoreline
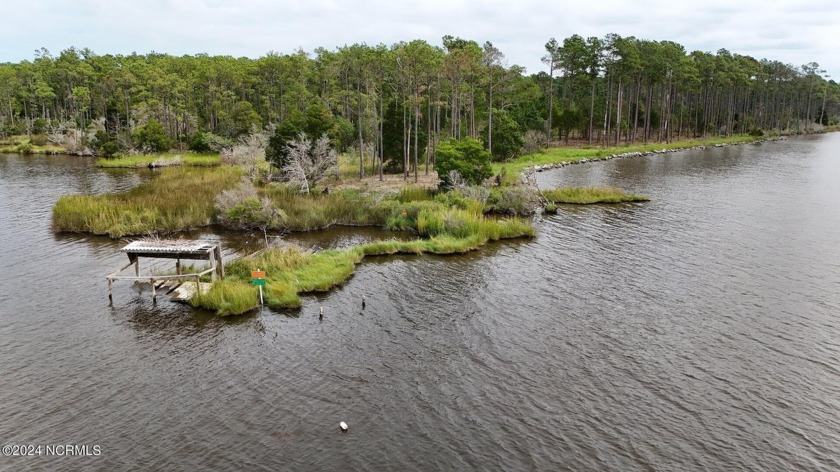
x,y
627,155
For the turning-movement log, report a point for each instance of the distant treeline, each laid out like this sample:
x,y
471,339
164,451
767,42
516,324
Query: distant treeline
x,y
400,101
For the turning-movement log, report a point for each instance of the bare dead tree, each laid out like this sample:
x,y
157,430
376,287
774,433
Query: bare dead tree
x,y
456,180
57,132
308,162
247,150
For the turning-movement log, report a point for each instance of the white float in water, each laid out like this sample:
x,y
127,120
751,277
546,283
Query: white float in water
x,y
343,426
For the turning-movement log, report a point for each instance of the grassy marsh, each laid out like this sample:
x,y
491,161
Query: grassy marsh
x,y
589,195
160,160
558,155
23,144
175,200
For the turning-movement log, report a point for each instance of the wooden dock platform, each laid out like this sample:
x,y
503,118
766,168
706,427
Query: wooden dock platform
x,y
182,285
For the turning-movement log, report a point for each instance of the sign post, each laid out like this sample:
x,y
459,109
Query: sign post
x,y
258,277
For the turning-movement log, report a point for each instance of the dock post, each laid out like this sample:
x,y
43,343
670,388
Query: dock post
x,y
154,291
212,261
110,295
220,267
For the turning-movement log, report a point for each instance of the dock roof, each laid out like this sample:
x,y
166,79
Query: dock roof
x,y
170,247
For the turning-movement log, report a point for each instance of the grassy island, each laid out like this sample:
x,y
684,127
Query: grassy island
x,y
182,198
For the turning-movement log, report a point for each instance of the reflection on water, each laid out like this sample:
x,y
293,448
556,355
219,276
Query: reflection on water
x,y
695,331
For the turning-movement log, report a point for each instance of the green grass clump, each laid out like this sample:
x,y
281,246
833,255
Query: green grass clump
x,y
228,297
160,160
589,195
292,271
326,269
176,200
415,194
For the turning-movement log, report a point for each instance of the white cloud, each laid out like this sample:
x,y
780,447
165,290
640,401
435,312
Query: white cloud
x,y
788,31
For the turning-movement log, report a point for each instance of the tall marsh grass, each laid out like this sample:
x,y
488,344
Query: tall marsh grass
x,y
306,212
160,160
177,199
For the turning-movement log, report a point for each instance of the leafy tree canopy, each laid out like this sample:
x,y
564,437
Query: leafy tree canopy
x,y
467,157
507,138
152,137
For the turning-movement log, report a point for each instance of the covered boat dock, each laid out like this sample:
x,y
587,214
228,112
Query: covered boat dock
x,y
178,249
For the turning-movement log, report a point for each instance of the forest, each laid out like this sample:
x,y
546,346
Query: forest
x,y
396,104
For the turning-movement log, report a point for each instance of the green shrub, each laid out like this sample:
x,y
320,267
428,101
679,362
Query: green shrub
x,y
109,148
152,137
466,157
39,126
209,142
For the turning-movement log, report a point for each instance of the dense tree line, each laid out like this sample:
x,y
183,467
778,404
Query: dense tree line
x,y
393,106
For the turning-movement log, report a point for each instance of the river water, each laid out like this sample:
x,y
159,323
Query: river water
x,y
697,331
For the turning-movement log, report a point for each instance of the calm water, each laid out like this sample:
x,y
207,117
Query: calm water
x,y
697,331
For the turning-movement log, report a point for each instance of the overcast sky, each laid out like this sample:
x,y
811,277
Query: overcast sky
x,y
795,32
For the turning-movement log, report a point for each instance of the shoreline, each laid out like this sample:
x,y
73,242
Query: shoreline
x,y
632,154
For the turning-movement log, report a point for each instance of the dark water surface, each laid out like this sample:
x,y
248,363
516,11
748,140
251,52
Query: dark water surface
x,y
698,331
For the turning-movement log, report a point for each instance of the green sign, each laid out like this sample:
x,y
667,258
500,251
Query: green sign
x,y
258,281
